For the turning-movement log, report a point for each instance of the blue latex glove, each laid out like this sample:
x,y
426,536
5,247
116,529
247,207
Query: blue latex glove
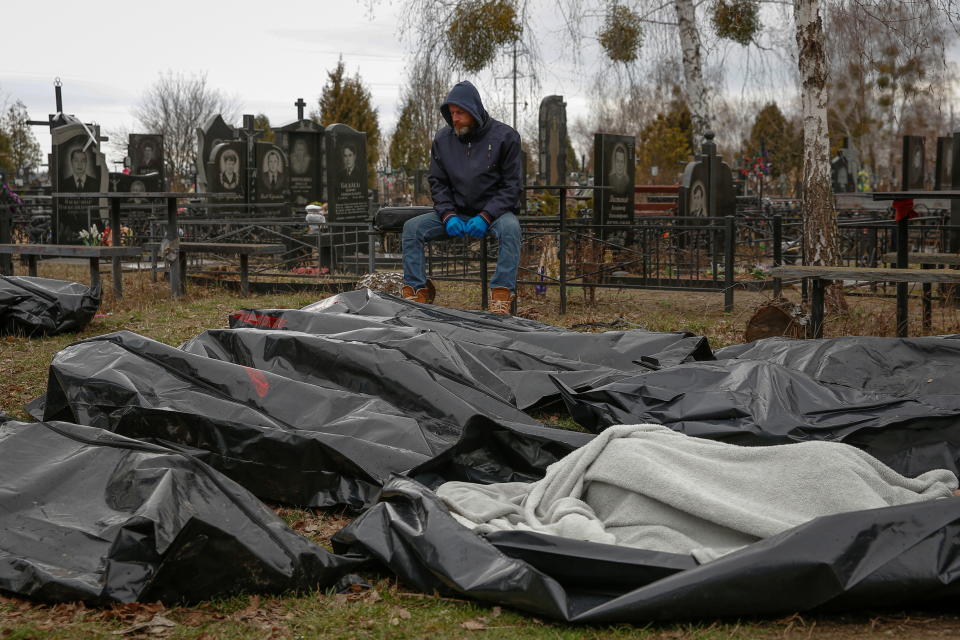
x,y
477,227
456,227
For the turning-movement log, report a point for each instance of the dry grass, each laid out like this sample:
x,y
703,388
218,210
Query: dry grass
x,y
388,609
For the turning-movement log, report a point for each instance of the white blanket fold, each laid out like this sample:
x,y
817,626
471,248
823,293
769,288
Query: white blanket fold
x,y
649,487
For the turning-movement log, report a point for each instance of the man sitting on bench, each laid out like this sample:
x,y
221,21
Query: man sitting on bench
x,y
476,187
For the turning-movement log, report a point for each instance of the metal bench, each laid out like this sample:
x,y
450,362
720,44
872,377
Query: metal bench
x,y
94,253
820,275
178,284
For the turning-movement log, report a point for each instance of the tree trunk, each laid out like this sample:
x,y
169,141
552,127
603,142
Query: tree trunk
x,y
820,235
693,69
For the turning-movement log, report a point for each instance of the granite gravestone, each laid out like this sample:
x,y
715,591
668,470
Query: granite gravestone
x,y
953,241
78,166
421,187
302,141
133,184
944,176
844,168
345,149
226,170
212,133
146,154
553,140
273,172
914,162
694,196
613,167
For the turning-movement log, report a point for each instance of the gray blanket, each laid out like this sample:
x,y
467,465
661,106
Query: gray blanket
x,y
649,487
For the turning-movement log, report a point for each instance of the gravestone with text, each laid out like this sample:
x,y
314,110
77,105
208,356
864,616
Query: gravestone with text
x,y
345,150
212,133
273,174
553,140
613,167
302,142
76,166
145,151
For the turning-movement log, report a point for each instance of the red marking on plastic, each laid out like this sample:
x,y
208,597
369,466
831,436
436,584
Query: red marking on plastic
x,y
260,384
259,319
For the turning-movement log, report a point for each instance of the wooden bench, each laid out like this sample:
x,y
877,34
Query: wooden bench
x,y
821,275
240,249
926,261
94,253
925,258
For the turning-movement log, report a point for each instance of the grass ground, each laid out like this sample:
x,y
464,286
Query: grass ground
x,y
388,609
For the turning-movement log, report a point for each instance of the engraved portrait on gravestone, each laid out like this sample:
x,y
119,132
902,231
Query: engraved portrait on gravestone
x,y
348,155
149,159
698,199
271,176
299,157
137,186
76,174
619,179
229,176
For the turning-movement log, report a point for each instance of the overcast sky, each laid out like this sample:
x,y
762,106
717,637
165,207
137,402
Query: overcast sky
x,y
107,53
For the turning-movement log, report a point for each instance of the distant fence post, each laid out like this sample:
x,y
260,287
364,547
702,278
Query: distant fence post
x,y
729,248
6,222
563,251
777,253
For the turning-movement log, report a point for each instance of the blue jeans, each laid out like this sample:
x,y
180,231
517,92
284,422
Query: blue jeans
x,y
417,231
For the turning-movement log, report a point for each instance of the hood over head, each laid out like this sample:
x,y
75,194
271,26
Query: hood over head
x,y
465,96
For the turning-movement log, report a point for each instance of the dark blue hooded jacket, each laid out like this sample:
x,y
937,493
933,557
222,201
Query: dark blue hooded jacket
x,y
480,173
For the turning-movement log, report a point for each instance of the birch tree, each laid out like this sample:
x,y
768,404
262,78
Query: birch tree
x,y
689,38
820,233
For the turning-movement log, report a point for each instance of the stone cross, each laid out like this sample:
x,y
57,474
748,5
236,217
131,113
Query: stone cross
x,y
299,104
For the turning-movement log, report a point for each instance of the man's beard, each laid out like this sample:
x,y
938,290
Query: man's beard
x,y
462,132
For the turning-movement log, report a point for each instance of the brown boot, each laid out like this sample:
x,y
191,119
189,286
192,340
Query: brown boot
x,y
425,295
500,300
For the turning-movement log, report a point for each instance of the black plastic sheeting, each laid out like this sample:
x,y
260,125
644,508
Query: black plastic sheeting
x,y
510,358
329,427
90,515
903,556
328,404
898,399
40,306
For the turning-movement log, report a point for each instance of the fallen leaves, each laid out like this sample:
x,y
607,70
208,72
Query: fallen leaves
x,y
371,596
481,623
157,625
397,614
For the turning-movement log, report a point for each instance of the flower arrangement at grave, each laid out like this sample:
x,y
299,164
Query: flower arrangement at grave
x,y
90,237
126,236
754,167
9,200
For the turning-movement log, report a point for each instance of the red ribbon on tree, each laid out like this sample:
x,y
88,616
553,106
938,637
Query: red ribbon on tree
x,y
903,209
